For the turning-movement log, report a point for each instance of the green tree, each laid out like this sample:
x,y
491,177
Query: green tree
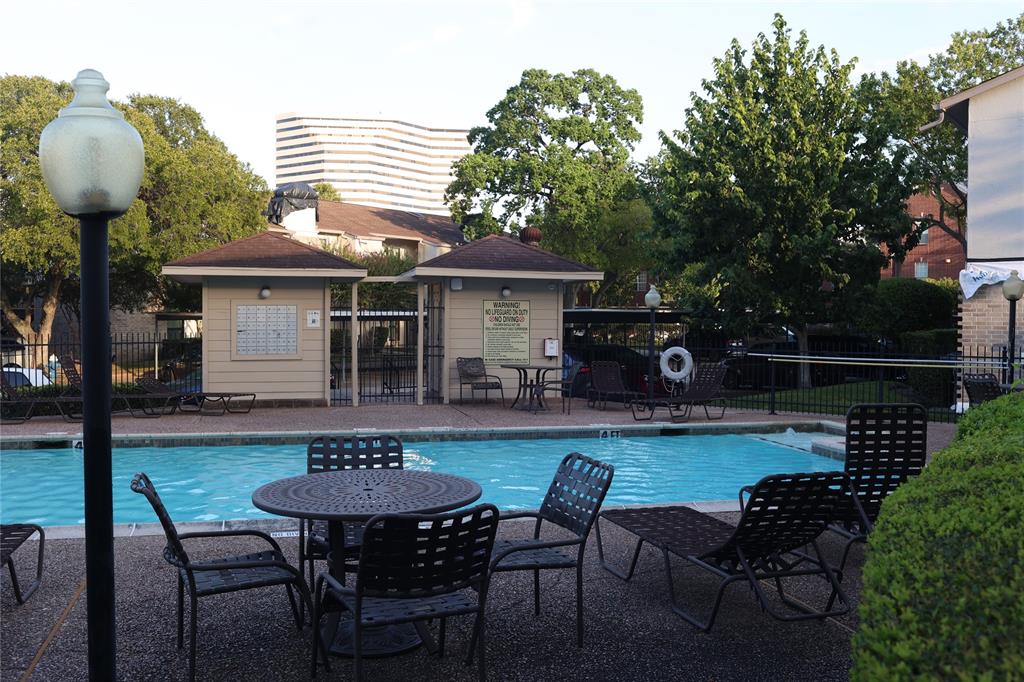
x,y
195,195
907,98
782,186
556,155
326,191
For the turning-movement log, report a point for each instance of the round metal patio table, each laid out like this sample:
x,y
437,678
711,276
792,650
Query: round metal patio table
x,y
355,496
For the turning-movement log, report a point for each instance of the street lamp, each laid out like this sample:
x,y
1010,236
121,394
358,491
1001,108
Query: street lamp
x,y
92,162
653,299
1013,290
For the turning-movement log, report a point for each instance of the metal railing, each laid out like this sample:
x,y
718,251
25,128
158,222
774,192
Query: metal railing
x,y
175,361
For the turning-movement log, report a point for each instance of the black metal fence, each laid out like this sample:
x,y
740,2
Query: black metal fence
x,y
176,361
772,376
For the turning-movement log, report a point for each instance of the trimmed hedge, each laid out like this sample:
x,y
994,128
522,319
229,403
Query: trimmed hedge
x,y
937,387
907,305
41,393
943,590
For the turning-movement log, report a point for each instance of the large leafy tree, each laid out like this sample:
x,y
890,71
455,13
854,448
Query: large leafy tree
x,y
906,100
782,186
195,195
556,154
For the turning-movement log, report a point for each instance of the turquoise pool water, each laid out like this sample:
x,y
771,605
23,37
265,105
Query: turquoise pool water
x,y
216,483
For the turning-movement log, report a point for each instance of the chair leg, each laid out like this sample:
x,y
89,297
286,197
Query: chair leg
x,y
302,559
357,647
295,607
18,597
192,632
481,644
181,612
608,567
579,604
440,638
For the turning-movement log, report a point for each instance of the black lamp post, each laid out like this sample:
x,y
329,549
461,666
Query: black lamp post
x,y
92,162
1013,290
653,299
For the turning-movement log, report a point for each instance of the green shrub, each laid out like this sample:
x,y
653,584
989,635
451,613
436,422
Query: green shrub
x,y
936,386
943,593
42,393
907,305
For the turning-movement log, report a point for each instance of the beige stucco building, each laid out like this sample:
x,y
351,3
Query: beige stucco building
x,y
267,311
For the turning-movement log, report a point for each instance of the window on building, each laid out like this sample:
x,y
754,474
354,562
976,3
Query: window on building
x,y
924,237
641,281
921,269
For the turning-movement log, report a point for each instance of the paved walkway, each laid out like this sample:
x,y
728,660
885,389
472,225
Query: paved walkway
x,y
631,633
385,417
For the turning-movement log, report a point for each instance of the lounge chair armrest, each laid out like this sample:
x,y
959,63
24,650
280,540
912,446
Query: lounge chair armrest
x,y
855,499
518,515
748,489
498,556
230,533
492,376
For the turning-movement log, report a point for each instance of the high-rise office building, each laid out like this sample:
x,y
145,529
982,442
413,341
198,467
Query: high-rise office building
x,y
374,162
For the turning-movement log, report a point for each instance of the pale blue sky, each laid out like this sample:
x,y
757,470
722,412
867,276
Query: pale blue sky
x,y
444,64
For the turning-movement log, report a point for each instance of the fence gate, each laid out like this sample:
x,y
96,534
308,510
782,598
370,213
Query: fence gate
x,y
387,340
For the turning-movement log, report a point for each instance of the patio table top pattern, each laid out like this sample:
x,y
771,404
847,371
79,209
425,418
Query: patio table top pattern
x,y
359,494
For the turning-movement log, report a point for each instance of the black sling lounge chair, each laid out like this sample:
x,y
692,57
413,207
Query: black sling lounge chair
x,y
334,453
412,568
266,568
981,388
15,407
885,445
784,513
13,536
705,388
473,373
606,382
573,501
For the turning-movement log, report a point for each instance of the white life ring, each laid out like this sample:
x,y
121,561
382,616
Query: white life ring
x,y
678,354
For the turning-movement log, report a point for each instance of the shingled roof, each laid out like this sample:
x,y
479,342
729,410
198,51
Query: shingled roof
x,y
266,251
367,221
501,253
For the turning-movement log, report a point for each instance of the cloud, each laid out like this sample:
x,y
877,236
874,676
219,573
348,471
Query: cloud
x,y
439,36
521,15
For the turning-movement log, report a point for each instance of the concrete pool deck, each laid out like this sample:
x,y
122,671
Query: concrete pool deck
x,y
631,632
426,421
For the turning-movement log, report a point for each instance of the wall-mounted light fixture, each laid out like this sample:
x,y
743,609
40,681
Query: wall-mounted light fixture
x,y
456,283
265,293
506,292
552,286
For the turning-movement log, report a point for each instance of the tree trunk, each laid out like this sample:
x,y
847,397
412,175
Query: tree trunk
x,y
805,367
602,289
36,353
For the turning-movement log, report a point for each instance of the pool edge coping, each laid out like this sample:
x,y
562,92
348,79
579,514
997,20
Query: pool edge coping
x,y
427,433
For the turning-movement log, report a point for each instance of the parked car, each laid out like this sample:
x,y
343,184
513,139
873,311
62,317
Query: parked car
x,y
634,364
21,376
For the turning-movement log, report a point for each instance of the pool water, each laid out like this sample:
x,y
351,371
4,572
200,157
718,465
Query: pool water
x,y
216,483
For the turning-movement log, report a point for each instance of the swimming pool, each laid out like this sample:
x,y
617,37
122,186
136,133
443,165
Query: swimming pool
x,y
216,483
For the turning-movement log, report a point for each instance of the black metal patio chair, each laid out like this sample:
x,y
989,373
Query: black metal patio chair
x,y
886,443
783,514
13,536
338,453
981,388
606,382
564,387
473,373
266,568
412,568
572,502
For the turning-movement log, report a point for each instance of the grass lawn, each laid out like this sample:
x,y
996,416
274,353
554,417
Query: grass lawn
x,y
834,400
